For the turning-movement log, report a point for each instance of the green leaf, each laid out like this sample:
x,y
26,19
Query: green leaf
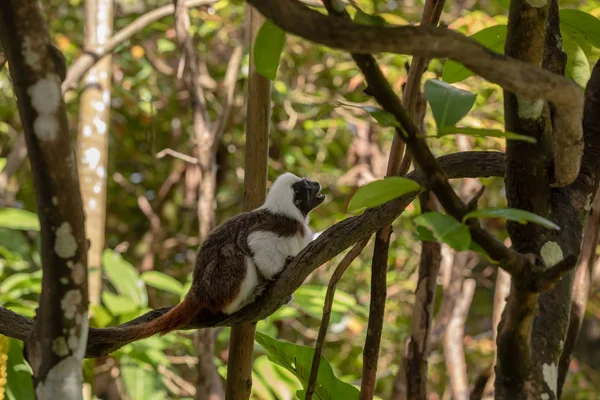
x,y
162,281
479,250
493,37
449,104
298,360
513,214
2,159
504,4
118,305
578,66
580,26
363,18
383,118
381,191
19,383
448,130
100,315
446,229
268,46
15,218
326,109
141,383
124,277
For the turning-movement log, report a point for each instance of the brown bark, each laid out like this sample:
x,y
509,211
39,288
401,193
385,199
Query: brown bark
x,y
56,345
239,367
417,347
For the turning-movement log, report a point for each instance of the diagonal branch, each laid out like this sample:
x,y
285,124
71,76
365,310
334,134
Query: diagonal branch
x,y
513,75
87,60
329,244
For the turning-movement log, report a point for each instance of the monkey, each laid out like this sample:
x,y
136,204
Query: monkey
x,y
240,257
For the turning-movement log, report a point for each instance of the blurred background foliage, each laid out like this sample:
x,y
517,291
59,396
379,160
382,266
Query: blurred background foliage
x,y
150,112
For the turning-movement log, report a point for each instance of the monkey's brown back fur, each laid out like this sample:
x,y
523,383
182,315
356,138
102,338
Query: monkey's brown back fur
x,y
219,270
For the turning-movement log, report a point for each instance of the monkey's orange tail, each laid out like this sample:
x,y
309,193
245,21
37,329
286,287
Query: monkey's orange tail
x,y
179,316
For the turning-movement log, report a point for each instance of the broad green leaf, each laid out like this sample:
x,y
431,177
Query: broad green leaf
x,y
2,159
578,66
99,315
493,37
381,191
513,214
268,46
448,130
504,4
363,18
162,281
449,104
19,383
446,229
124,278
580,26
141,383
15,218
118,305
298,360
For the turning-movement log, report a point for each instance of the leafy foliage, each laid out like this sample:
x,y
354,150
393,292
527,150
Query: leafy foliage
x,y
381,191
512,214
298,360
270,41
449,104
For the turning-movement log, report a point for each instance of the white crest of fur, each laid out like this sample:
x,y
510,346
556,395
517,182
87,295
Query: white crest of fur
x,y
280,199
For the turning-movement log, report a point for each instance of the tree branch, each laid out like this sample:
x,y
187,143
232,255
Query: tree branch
x,y
527,80
335,277
55,345
87,60
329,244
454,353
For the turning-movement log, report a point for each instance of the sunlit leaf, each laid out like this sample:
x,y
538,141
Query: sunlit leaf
x,y
578,66
513,214
141,383
448,130
448,104
118,305
19,383
268,46
15,218
124,277
381,191
580,26
493,37
162,281
446,229
298,360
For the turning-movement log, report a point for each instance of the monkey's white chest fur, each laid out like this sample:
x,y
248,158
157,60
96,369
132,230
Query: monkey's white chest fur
x,y
269,254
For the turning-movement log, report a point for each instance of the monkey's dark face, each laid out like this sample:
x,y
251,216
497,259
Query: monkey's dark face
x,y
306,195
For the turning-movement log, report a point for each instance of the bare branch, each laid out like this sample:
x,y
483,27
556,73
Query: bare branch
x,y
527,80
454,353
84,62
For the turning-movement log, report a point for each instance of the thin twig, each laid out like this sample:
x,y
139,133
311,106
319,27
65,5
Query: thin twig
x,y
335,277
176,154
